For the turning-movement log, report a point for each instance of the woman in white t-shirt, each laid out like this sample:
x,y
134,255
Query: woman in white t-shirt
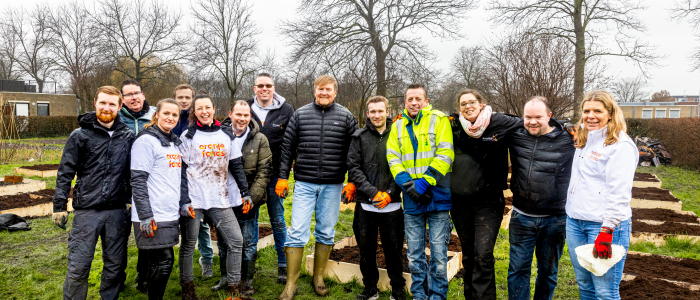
x,y
598,200
157,202
208,156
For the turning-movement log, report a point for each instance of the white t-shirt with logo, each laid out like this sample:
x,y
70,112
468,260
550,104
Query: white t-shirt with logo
x,y
207,155
234,194
163,165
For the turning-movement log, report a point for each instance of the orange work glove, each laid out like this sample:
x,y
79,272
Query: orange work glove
x,y
247,204
348,194
281,189
381,200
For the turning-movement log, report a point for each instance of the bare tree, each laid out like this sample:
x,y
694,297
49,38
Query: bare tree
x,y
629,89
585,25
689,10
662,96
33,35
347,27
225,41
142,36
470,67
76,46
8,51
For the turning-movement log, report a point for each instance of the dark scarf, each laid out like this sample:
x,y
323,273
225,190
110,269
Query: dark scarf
x,y
142,112
208,128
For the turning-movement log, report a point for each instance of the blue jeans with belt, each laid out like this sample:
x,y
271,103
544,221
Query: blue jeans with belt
x,y
545,236
429,278
606,287
275,209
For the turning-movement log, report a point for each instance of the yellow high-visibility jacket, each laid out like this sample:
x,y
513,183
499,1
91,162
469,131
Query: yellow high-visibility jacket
x,y
422,148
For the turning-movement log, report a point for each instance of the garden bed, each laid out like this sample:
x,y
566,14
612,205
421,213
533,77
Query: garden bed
x,y
265,237
664,267
665,227
27,185
507,213
345,271
660,214
646,177
35,204
643,288
651,197
47,170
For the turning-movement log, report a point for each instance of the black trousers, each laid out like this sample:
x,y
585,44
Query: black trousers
x,y
160,265
477,219
366,225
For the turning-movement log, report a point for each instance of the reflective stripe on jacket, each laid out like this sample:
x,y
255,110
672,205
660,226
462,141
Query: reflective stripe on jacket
x,y
423,148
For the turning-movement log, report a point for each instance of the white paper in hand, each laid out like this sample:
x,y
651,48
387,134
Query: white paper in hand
x,y
598,266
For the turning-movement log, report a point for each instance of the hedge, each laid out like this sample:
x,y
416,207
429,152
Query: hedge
x,y
42,126
681,137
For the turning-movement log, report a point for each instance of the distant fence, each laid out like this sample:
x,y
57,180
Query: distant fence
x,y
681,137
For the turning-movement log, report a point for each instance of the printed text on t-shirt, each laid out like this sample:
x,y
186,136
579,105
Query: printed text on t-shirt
x,y
211,150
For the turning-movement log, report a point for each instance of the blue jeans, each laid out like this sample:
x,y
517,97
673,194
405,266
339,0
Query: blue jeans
x,y
440,228
206,250
275,209
606,287
546,237
249,229
324,199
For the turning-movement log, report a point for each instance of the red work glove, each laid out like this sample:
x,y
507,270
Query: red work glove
x,y
281,189
381,200
603,244
348,194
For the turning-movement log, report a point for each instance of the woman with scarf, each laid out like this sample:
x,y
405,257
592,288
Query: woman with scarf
x,y
208,155
598,201
479,176
157,203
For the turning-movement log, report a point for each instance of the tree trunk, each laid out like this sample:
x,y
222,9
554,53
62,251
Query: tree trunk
x,y
580,62
381,71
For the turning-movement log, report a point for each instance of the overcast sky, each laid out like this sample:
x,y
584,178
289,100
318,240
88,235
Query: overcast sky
x,y
673,39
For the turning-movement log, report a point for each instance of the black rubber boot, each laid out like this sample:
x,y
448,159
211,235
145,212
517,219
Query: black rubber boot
x,y
247,272
223,282
142,268
282,275
160,266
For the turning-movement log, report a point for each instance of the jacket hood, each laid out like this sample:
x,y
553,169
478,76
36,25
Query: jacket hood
x,y
556,124
370,127
425,111
89,121
277,102
252,125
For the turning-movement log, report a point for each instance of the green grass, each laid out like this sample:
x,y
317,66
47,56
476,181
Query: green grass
x,y
33,263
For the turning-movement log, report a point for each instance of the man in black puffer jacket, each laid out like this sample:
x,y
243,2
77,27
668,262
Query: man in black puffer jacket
x,y
541,154
99,152
317,140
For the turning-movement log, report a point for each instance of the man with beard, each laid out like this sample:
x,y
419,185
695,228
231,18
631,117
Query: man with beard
x,y
379,198
541,154
317,140
272,114
98,152
136,112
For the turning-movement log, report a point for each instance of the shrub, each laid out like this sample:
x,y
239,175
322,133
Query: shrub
x,y
681,137
42,126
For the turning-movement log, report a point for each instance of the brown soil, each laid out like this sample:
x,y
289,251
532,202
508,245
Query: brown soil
x,y
645,177
3,183
20,200
41,167
660,214
656,266
506,210
455,244
509,200
642,288
666,227
651,193
262,232
352,255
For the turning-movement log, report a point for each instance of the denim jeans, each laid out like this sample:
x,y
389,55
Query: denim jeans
x,y
606,287
477,219
440,228
225,222
324,199
546,237
275,209
204,244
249,229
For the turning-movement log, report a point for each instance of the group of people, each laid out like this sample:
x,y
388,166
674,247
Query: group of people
x,y
175,167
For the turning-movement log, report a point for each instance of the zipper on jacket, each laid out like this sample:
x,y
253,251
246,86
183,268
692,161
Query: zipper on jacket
x,y
529,171
320,142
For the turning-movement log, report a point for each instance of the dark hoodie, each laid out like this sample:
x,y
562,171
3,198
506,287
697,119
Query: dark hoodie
x,y
101,163
368,168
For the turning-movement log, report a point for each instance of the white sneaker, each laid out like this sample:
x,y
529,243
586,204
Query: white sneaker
x,y
206,269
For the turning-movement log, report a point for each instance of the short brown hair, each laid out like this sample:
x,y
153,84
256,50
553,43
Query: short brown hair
x,y
377,99
239,102
476,94
109,90
183,86
414,86
540,99
159,106
324,80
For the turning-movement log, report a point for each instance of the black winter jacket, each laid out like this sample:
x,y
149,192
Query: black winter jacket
x,y
481,164
101,163
541,170
368,168
275,124
318,139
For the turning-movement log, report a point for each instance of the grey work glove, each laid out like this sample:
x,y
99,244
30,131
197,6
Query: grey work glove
x,y
148,227
60,219
186,210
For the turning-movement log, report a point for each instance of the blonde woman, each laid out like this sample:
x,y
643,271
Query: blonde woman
x,y
598,200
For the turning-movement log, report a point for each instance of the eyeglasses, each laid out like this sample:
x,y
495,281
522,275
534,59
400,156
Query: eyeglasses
x,y
469,103
269,86
132,95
